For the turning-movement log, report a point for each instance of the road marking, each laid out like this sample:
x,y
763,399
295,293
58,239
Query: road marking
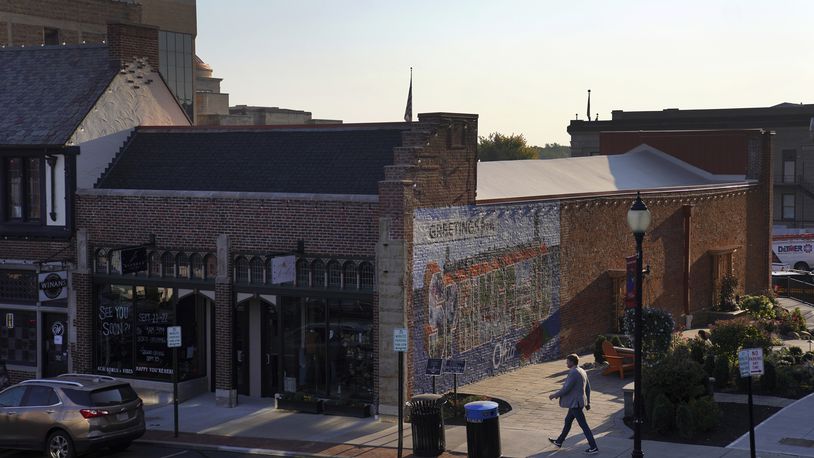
x,y
175,454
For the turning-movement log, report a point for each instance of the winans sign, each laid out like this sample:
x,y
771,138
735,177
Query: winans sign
x,y
53,286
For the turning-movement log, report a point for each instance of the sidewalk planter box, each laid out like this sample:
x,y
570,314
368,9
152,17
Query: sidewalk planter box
x,y
358,411
300,405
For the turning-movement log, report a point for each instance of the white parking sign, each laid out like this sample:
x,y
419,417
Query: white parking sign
x,y
750,361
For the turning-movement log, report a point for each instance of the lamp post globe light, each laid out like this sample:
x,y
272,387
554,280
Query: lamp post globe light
x,y
638,218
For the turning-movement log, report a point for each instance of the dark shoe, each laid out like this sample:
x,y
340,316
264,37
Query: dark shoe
x,y
592,451
554,441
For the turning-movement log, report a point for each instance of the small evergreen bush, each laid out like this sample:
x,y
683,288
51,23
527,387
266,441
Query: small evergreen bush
x,y
730,336
663,415
768,381
709,365
721,372
706,413
685,421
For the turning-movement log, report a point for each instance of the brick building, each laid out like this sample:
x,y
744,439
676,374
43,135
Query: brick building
x,y
65,110
792,144
289,255
60,22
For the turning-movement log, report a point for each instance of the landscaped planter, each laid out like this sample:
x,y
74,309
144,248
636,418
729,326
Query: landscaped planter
x,y
703,318
358,411
300,406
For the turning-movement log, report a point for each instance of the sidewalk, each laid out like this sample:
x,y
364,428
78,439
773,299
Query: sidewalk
x,y
256,426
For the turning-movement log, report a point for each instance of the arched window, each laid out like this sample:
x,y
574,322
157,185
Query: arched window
x,y
334,274
168,264
302,273
318,274
183,265
349,275
256,267
366,276
155,264
102,263
197,264
241,270
211,266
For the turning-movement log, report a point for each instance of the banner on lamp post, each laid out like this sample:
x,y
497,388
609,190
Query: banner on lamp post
x,y
630,283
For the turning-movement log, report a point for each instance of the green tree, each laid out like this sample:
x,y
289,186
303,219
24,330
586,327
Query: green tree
x,y
553,151
499,147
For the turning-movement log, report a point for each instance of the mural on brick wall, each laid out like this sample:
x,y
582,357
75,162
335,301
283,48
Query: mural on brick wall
x,y
486,282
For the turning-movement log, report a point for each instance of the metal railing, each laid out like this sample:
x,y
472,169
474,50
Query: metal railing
x,y
794,289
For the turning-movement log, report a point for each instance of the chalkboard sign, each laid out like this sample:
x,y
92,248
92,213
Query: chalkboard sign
x,y
455,366
434,366
152,357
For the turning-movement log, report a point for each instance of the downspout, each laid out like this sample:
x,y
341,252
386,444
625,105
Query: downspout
x,y
687,209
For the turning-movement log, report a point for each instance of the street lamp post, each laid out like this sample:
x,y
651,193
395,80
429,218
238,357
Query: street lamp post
x,y
638,218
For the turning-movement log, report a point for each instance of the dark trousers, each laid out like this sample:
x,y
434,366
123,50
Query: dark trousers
x,y
576,412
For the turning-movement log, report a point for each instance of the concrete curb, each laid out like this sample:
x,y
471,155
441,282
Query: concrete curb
x,y
229,448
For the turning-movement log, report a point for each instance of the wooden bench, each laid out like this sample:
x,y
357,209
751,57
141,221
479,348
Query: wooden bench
x,y
617,360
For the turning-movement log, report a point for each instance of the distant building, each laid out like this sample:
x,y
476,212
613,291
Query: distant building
x,y
57,22
792,147
214,110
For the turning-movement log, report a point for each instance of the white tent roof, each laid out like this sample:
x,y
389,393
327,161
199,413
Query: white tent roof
x,y
642,168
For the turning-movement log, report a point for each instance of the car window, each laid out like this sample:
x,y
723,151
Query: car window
x,y
39,396
12,396
78,397
119,394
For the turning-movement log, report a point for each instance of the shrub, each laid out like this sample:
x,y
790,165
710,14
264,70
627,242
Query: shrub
x,y
721,372
768,381
741,382
709,365
726,296
599,356
685,422
657,332
698,349
786,381
797,354
616,341
789,322
759,307
730,336
677,376
663,415
706,413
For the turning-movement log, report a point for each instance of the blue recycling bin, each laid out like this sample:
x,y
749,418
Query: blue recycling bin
x,y
482,429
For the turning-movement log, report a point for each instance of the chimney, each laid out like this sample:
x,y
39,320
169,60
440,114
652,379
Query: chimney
x,y
128,42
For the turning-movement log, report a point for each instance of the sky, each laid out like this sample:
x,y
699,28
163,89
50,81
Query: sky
x,y
523,66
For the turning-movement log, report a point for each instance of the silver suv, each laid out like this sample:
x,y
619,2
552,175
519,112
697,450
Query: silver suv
x,y
70,415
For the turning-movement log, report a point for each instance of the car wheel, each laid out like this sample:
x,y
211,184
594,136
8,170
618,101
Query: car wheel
x,y
120,447
59,445
801,266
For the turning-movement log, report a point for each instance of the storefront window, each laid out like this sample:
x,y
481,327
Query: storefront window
x,y
18,337
114,330
191,312
18,286
154,313
350,349
312,373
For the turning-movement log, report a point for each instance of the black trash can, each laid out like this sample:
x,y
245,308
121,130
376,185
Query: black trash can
x,y
427,421
482,430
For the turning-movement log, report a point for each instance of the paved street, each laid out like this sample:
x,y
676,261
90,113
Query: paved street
x,y
142,450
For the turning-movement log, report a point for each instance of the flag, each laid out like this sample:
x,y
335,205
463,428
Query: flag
x,y
408,111
589,105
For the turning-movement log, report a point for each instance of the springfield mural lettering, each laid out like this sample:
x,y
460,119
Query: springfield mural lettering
x,y
486,286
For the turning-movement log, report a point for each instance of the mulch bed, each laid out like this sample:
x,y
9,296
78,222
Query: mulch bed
x,y
734,423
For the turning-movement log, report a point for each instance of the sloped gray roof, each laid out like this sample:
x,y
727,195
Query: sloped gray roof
x,y
321,160
46,91
641,168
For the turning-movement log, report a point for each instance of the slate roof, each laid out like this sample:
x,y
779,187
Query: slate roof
x,y
45,92
339,160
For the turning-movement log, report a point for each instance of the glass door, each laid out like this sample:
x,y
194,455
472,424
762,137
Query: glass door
x,y
293,372
242,343
55,344
270,336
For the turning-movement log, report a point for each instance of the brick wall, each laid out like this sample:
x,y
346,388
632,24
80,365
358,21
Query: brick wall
x,y
24,34
128,42
90,11
719,219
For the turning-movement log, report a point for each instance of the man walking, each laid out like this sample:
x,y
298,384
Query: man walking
x,y
574,395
